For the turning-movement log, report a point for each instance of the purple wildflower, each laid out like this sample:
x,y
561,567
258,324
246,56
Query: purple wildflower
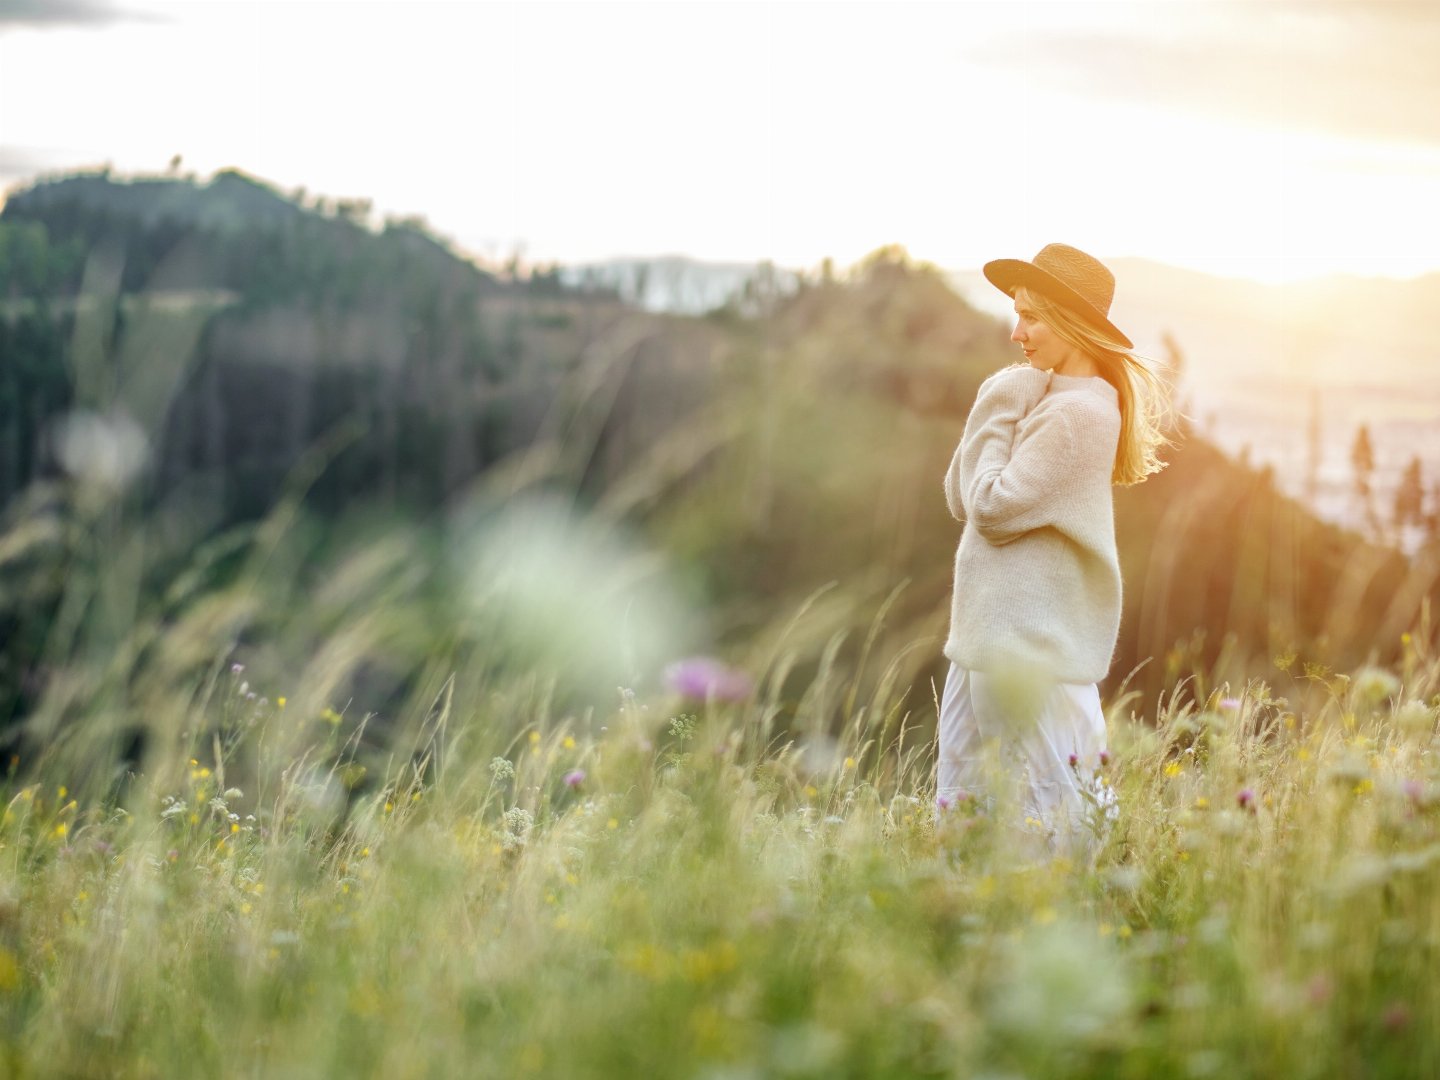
x,y
1104,758
1230,703
1414,789
700,678
575,778
1074,760
943,803
236,669
1246,798
1396,1017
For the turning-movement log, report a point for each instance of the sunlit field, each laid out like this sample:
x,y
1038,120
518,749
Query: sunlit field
x,y
704,878
410,667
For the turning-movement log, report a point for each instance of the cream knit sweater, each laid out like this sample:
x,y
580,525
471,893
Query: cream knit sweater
x,y
1037,577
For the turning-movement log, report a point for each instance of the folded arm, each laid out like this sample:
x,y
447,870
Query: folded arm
x,y
1023,492
1004,399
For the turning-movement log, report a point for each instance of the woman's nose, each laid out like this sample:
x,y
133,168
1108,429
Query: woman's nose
x,y
1017,334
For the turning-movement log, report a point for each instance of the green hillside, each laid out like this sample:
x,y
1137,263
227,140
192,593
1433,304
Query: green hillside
x,y
784,450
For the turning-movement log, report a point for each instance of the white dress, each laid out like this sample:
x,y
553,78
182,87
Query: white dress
x,y
1033,754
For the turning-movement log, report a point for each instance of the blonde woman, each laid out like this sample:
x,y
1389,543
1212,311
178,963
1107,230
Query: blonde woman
x,y
1036,604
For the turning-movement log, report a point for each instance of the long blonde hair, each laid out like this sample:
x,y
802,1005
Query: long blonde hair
x,y
1144,395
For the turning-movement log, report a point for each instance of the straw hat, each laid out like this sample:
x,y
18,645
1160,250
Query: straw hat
x,y
1066,275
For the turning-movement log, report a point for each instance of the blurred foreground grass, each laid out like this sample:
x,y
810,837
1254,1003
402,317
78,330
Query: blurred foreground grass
x,y
496,886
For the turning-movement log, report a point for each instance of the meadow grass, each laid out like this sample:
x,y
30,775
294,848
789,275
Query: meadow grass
x,y
673,888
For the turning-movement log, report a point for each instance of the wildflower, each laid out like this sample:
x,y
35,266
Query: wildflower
x,y
1173,769
1104,758
502,769
236,669
849,763
1246,798
575,778
1074,760
701,678
1396,1017
250,695
516,824
1415,718
234,793
1230,704
943,802
1372,685
280,701
569,743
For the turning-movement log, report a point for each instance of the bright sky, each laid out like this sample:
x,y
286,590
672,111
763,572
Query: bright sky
x,y
1259,138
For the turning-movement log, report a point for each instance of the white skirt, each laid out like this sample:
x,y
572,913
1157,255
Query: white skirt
x,y
1033,754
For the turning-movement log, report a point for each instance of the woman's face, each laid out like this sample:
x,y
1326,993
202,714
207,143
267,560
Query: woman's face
x,y
1044,348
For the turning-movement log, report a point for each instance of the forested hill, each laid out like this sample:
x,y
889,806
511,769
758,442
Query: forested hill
x,y
783,442
239,233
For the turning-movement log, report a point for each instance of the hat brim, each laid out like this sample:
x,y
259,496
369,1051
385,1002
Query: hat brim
x,y
1007,275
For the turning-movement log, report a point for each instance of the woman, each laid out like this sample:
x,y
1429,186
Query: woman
x,y
1036,605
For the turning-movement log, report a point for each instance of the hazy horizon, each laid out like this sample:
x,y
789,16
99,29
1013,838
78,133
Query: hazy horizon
x,y
1273,142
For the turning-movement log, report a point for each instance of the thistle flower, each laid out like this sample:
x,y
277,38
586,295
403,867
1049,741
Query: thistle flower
x,y
1246,798
1073,759
575,778
702,678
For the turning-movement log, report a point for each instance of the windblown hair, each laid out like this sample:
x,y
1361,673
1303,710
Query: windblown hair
x,y
1145,410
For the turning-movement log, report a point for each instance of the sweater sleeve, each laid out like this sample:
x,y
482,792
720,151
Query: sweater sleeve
x,y
1004,399
1013,495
